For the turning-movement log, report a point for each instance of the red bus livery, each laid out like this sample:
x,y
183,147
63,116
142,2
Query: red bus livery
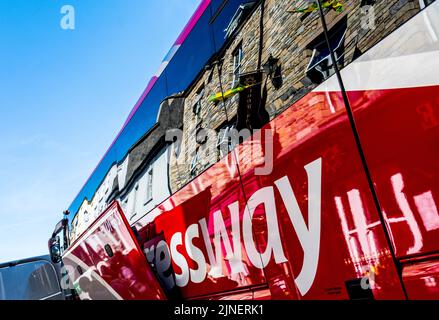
x,y
234,247
349,209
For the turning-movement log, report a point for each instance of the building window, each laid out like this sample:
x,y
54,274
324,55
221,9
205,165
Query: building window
x,y
86,217
226,140
149,177
194,164
237,63
197,106
241,13
321,66
134,201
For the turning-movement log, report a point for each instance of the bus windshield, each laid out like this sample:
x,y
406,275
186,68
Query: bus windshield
x,y
35,280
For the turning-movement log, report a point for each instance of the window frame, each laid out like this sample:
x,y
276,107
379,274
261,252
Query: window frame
x,y
40,263
237,58
196,108
314,65
149,184
195,163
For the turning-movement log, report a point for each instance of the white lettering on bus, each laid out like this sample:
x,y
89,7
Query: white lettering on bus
x,y
198,275
309,237
181,279
263,196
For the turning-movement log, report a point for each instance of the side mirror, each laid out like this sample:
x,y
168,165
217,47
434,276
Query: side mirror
x,y
55,249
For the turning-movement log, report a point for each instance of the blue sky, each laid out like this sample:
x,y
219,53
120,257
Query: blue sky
x,y
64,95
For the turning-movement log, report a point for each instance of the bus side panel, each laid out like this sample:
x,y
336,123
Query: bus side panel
x,y
393,90
195,242
320,192
107,263
221,233
309,227
421,279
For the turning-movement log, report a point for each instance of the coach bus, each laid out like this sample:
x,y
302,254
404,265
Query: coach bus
x,y
334,194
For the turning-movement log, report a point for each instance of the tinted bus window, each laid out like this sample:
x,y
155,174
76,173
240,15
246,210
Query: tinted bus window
x,y
98,175
29,281
216,5
191,57
222,19
369,22
180,72
144,118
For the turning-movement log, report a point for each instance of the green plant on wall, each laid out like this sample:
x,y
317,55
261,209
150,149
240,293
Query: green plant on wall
x,y
335,5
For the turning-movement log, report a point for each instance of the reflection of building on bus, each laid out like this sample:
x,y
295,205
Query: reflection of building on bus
x,y
240,54
353,192
140,181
